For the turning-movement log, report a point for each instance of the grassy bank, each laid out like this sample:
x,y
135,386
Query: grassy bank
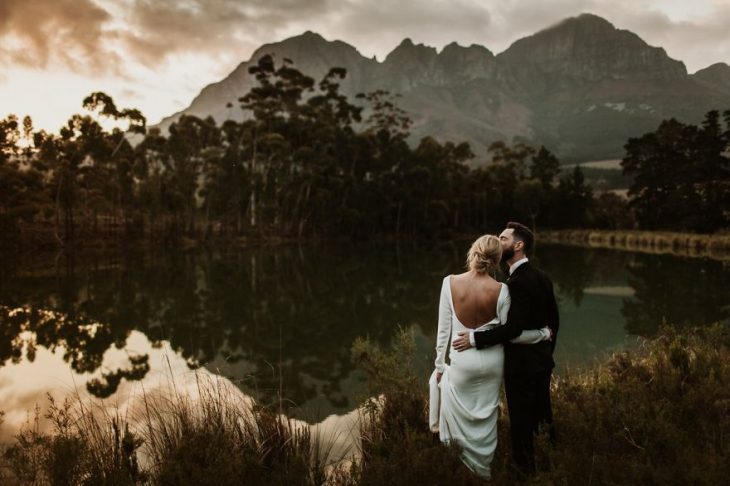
x,y
660,415
686,244
214,439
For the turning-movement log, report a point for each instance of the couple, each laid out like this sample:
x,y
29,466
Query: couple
x,y
516,342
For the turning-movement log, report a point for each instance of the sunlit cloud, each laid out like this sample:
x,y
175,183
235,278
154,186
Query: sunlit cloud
x,y
158,54
48,33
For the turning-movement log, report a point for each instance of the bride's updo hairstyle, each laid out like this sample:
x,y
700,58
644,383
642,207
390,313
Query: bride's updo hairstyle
x,y
484,254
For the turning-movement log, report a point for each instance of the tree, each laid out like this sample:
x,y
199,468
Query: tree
x,y
275,99
508,167
680,175
21,184
529,199
545,167
711,175
573,200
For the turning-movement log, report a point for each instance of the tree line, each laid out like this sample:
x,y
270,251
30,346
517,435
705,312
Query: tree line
x,y
306,161
681,175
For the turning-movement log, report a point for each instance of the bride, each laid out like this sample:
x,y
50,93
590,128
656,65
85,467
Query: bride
x,y
469,386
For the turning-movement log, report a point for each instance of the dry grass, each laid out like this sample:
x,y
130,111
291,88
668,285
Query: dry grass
x,y
660,415
214,438
685,244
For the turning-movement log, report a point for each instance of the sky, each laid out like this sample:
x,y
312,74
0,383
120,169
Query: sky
x,y
156,55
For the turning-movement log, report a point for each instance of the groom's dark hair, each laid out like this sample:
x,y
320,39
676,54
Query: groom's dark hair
x,y
522,233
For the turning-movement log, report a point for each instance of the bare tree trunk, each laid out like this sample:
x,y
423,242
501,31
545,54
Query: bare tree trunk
x,y
304,217
57,221
252,203
238,219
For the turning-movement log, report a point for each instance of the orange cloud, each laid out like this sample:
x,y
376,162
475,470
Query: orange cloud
x,y
39,33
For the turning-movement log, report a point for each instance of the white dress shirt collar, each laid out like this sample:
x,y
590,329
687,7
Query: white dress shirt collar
x,y
516,264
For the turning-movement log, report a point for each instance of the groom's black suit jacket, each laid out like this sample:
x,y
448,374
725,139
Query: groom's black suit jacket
x,y
533,307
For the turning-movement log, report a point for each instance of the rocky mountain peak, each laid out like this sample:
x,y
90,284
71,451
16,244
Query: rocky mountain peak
x,y
454,50
461,64
410,53
589,48
717,75
580,87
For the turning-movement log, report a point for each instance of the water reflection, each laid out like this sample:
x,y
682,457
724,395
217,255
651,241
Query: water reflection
x,y
678,292
28,384
279,321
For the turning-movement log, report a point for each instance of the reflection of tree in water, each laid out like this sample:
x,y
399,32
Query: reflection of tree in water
x,y
292,313
571,269
298,309
84,342
676,291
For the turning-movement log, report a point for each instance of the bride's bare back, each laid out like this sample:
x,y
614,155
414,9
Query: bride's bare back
x,y
474,298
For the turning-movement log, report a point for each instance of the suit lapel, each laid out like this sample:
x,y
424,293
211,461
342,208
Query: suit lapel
x,y
518,271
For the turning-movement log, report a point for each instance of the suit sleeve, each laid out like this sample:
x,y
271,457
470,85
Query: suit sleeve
x,y
554,314
517,319
528,336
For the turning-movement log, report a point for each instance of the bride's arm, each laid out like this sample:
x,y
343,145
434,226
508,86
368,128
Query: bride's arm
x,y
527,336
444,327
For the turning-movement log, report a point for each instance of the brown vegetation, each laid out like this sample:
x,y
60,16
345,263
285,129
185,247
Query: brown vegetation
x,y
660,415
686,244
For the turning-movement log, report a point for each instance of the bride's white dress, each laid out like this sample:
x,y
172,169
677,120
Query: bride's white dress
x,y
469,388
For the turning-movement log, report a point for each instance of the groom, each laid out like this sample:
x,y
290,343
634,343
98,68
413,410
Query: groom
x,y
527,367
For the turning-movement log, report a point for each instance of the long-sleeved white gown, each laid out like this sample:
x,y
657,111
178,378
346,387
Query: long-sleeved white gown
x,y
469,388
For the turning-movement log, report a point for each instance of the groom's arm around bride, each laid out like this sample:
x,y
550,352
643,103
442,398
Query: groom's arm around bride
x,y
527,367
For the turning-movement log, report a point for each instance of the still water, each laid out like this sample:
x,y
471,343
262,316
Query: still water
x,y
279,321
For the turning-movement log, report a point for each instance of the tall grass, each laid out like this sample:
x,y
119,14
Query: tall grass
x,y
660,242
658,415
80,449
397,444
214,438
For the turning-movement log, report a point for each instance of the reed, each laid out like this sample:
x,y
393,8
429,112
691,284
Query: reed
x,y
213,438
715,246
657,415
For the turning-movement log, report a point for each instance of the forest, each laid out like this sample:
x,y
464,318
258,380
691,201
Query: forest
x,y
307,162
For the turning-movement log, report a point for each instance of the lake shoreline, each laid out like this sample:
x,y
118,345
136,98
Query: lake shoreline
x,y
39,238
715,246
627,417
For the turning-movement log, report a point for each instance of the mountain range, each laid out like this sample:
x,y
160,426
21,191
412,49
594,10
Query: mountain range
x,y
581,87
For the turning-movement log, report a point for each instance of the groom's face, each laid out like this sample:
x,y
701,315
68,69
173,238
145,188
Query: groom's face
x,y
507,239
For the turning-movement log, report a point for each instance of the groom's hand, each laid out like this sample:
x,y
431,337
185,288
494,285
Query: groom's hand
x,y
462,342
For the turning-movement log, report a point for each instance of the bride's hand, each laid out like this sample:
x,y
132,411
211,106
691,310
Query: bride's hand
x,y
438,377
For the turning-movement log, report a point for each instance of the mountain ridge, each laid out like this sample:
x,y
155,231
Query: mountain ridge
x,y
581,86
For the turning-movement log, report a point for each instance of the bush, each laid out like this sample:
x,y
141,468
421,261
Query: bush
x,y
657,416
660,415
397,445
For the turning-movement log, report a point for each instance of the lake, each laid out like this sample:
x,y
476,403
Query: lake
x,y
279,321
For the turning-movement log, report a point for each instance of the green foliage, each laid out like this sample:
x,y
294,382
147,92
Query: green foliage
x,y
545,167
575,199
681,175
306,161
658,415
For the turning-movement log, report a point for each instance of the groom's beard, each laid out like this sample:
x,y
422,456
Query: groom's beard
x,y
508,253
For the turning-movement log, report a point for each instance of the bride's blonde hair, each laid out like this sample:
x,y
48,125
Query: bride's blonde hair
x,y
484,254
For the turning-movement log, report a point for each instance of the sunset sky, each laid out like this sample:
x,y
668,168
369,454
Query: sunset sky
x,y
156,55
